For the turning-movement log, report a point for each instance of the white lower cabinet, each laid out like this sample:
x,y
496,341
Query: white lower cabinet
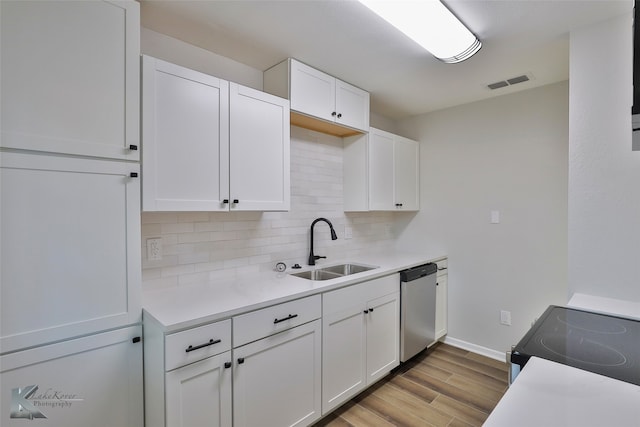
x,y
360,341
442,298
277,379
199,394
187,375
276,355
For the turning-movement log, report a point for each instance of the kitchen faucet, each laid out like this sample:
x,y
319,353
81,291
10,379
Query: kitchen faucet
x,y
312,257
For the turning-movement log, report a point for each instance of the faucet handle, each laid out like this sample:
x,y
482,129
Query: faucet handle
x,y
319,256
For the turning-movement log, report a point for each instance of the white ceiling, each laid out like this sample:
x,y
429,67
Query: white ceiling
x,y
345,39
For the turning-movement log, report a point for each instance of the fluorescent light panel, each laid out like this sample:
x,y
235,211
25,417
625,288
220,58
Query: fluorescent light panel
x,y
431,25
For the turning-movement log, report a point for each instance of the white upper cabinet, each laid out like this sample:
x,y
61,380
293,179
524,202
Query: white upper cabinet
x,y
185,132
211,145
70,77
70,247
259,163
381,172
343,107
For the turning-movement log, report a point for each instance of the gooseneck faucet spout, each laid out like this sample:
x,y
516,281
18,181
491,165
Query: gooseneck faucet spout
x,y
334,236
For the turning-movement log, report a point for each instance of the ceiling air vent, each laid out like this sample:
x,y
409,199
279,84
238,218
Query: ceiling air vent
x,y
509,82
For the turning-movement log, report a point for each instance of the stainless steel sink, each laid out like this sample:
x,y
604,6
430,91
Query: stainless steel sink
x,y
317,275
347,269
333,272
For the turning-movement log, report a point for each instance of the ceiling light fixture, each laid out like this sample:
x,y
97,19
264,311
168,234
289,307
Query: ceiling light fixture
x,y
431,25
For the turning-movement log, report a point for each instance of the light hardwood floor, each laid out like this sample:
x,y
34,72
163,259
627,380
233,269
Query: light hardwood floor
x,y
443,387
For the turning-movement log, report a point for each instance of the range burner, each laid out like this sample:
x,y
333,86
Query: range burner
x,y
584,321
606,345
583,350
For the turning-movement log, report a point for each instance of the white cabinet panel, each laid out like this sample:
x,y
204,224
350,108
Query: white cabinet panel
x,y
360,337
406,168
277,379
383,336
384,166
90,381
70,247
442,290
352,105
381,173
312,92
185,124
70,77
342,108
259,161
343,356
199,394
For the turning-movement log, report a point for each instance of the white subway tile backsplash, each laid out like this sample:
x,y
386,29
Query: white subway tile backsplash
x,y
218,246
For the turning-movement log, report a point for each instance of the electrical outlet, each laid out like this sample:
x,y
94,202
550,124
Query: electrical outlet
x,y
505,317
154,249
348,232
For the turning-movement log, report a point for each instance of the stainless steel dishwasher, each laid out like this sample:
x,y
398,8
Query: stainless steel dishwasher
x,y
417,309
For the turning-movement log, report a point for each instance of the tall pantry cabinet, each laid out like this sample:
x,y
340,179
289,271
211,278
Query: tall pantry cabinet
x,y
69,214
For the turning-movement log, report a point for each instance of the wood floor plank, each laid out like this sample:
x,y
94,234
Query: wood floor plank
x,y
477,401
413,405
424,393
443,387
476,387
466,372
460,410
358,416
472,364
498,364
391,413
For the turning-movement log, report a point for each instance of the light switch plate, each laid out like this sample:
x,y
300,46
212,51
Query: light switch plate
x,y
495,217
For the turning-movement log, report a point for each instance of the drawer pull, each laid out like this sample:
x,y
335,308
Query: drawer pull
x,y
207,344
240,360
291,316
227,365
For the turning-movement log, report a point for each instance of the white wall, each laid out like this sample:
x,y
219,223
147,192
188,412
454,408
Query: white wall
x,y
508,154
173,50
604,174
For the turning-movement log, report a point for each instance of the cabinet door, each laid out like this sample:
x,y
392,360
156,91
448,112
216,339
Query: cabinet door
x,y
383,336
343,355
70,77
258,150
277,379
441,306
70,248
90,381
185,132
352,106
312,92
199,394
406,159
381,178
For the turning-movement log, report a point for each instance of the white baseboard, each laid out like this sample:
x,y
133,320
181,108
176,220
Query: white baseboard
x,y
484,351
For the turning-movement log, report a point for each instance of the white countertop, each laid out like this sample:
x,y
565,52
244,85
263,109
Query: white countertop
x,y
187,306
550,394
629,309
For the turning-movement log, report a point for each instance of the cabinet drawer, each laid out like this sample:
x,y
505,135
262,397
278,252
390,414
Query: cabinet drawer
x,y
268,321
358,294
182,348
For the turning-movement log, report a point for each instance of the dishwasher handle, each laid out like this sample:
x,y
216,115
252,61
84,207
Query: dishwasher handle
x,y
418,272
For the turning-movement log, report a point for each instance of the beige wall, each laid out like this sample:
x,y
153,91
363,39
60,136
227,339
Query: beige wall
x,y
507,154
604,174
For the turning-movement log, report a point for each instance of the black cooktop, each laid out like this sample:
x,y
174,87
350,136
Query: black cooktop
x,y
600,343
